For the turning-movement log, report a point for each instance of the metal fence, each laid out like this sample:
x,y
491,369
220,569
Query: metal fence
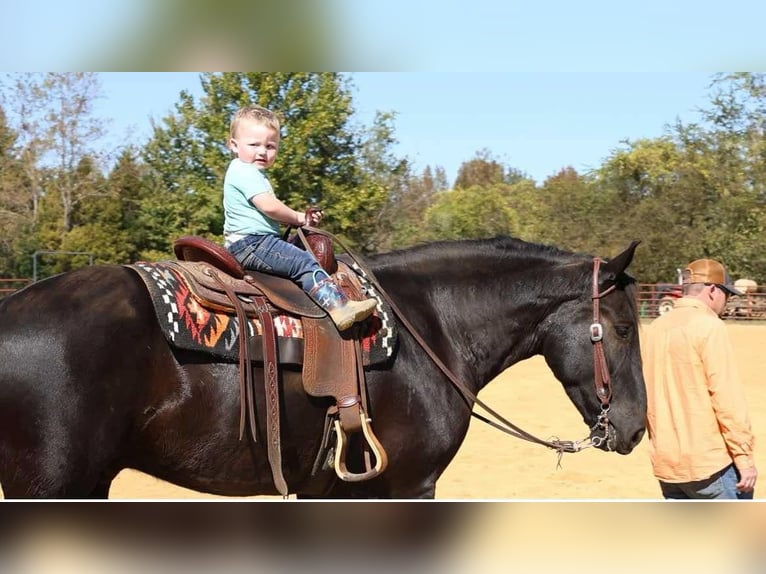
x,y
654,299
8,286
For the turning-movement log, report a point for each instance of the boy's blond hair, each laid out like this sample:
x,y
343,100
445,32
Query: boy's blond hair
x,y
254,113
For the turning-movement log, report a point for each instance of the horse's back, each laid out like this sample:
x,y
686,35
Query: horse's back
x,y
68,299
72,324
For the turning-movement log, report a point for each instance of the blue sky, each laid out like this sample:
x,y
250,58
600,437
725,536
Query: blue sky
x,y
535,122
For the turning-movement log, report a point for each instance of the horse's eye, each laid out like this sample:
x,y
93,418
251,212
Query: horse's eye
x,y
622,330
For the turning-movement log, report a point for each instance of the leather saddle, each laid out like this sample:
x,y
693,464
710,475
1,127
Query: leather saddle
x,y
332,363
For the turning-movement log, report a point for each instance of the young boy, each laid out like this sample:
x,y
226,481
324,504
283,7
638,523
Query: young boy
x,y
252,214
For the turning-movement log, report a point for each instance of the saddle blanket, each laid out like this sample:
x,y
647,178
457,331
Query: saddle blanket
x,y
190,326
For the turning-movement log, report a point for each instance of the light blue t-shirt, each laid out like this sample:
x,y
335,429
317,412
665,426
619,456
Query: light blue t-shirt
x,y
242,182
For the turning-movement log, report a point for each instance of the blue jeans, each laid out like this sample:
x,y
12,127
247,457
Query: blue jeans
x,y
270,254
722,485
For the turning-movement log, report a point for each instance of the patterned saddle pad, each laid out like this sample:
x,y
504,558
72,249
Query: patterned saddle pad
x,y
190,326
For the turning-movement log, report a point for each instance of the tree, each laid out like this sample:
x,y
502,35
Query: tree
x,y
186,171
576,213
23,104
483,171
55,114
473,212
111,225
401,221
662,199
361,216
322,159
58,150
695,192
71,132
15,209
528,201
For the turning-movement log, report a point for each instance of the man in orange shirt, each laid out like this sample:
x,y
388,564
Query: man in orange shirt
x,y
697,418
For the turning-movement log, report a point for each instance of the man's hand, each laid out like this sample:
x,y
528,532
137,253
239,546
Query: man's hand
x,y
747,478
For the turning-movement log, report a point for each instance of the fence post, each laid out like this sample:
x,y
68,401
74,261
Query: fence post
x,y
36,253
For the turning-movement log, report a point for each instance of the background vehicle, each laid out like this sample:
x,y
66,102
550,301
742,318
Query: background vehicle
x,y
667,293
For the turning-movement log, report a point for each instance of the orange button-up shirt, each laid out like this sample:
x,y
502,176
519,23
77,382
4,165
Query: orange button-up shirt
x,y
696,412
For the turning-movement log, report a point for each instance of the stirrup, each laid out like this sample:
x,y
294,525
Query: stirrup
x,y
381,459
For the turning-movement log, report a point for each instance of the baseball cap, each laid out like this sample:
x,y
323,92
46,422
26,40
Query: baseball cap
x,y
711,272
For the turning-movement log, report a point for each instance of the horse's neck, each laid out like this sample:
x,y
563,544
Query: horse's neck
x,y
480,316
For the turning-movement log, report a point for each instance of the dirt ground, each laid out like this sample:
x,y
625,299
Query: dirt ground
x,y
493,466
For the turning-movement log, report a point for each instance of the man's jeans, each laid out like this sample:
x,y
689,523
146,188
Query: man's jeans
x,y
270,254
723,485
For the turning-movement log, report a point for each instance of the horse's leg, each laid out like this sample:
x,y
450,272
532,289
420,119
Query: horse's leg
x,y
46,477
50,487
101,490
424,492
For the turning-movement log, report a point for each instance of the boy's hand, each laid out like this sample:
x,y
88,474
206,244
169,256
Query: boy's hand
x,y
314,216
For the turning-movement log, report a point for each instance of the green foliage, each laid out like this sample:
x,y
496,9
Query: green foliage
x,y
484,171
472,212
322,159
15,213
56,157
697,191
528,201
183,197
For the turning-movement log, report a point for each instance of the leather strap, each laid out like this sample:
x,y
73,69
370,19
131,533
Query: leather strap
x,y
602,381
362,394
245,364
500,422
271,393
349,410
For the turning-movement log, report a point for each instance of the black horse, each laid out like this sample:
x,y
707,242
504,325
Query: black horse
x,y
89,385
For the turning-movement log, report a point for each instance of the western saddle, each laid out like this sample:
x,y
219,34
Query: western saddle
x,y
332,364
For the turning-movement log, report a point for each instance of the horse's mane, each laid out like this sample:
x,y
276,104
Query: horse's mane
x,y
504,249
490,262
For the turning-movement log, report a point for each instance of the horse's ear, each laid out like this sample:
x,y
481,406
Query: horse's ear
x,y
619,263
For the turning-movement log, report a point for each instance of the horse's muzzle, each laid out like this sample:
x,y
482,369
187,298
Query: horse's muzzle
x,y
614,441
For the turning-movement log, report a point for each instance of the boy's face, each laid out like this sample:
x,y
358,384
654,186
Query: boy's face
x,y
255,143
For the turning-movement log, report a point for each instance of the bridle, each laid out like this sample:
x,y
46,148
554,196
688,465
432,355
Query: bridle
x,y
601,370
602,380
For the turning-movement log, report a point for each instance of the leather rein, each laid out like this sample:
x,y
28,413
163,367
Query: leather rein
x,y
602,379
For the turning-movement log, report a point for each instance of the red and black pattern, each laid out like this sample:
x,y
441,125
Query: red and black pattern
x,y
188,325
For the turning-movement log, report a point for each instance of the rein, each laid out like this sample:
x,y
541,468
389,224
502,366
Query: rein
x,y
602,379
